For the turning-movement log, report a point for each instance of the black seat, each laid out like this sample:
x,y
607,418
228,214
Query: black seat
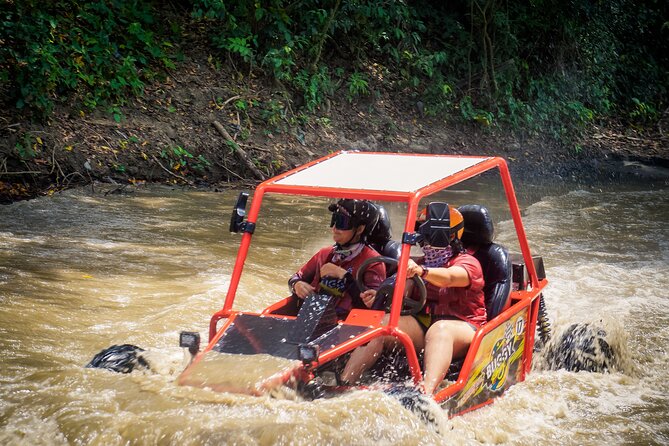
x,y
495,260
381,239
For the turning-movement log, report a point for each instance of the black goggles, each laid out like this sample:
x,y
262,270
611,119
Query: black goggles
x,y
341,221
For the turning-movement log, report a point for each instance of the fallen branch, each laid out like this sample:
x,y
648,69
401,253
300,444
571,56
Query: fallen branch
x,y
260,149
120,188
619,136
230,171
55,164
226,102
102,122
25,172
170,172
67,179
229,100
11,127
239,151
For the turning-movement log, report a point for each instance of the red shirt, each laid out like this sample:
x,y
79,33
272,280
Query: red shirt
x,y
466,303
373,277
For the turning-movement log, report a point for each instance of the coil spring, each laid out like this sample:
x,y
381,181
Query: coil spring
x,y
544,325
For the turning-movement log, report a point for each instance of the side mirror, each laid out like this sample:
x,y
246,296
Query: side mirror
x,y
238,213
308,354
191,341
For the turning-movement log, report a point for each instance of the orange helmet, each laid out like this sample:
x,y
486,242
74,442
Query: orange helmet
x,y
439,224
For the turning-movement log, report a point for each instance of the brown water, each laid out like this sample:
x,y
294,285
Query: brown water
x,y
79,272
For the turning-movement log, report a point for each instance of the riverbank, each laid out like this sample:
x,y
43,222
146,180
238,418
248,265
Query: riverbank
x,y
204,127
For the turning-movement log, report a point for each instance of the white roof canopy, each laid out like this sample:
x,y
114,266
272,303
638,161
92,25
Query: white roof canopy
x,y
380,171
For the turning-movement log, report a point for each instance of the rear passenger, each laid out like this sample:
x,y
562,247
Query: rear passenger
x,y
495,260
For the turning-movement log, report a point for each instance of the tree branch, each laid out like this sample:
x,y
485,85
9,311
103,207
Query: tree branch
x,y
239,151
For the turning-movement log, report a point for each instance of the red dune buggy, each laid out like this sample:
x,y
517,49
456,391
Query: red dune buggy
x,y
302,346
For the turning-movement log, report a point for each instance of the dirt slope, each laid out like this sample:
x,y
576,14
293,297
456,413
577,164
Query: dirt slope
x,y
178,132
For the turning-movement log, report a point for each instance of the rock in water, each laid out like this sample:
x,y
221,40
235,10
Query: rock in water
x,y
581,347
119,358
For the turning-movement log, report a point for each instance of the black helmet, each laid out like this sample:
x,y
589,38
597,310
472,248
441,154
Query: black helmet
x,y
439,224
382,232
348,213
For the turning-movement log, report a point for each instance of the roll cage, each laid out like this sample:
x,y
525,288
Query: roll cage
x,y
406,178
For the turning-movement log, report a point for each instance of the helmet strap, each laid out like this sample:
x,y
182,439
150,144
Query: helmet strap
x,y
357,232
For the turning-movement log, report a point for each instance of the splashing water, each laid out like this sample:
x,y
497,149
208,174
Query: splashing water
x,y
79,273
586,347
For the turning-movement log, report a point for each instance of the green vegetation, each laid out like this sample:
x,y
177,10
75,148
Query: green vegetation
x,y
181,159
98,53
28,146
541,66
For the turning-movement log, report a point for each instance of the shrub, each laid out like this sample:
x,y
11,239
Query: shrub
x,y
100,52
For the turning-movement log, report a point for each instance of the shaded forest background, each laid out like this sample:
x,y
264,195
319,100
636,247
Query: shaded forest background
x,y
209,91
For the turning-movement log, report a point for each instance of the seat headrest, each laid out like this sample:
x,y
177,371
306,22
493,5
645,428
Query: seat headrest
x,y
381,233
479,228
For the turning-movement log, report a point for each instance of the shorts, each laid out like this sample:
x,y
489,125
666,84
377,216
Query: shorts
x,y
426,320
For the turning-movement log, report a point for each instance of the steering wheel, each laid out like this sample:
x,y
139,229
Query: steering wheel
x,y
385,291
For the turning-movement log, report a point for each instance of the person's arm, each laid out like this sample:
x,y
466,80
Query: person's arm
x,y
454,276
351,286
331,270
373,277
303,289
300,283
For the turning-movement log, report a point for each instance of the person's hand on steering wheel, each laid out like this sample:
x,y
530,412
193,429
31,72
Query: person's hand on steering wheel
x,y
368,297
414,269
331,270
303,289
410,305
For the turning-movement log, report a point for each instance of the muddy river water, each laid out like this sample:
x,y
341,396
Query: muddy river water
x,y
81,271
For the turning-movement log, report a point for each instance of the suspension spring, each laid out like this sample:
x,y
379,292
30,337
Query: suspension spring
x,y
544,325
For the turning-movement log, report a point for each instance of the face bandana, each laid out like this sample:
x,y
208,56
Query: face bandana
x,y
345,254
437,257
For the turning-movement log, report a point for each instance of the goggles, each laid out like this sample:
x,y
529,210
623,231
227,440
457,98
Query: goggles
x,y
341,221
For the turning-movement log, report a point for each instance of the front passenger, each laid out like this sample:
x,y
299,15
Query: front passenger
x,y
455,309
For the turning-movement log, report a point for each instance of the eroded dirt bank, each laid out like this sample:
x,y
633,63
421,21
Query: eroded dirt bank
x,y
205,127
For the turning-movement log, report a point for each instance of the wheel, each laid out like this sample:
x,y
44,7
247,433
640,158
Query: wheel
x,y
385,292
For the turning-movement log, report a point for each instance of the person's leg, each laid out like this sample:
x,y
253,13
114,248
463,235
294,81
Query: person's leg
x,y
364,357
444,340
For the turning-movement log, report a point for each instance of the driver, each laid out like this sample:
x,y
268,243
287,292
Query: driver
x,y
332,270
455,307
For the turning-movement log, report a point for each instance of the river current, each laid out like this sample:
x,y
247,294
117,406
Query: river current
x,y
80,271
